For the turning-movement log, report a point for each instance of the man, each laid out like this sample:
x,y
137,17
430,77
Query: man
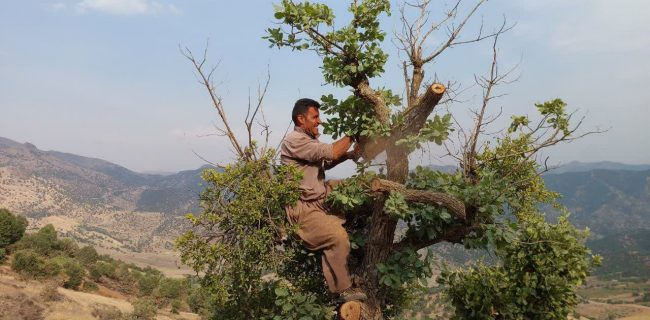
x,y
318,228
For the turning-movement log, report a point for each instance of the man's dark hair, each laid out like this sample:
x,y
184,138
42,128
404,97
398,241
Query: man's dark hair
x,y
301,107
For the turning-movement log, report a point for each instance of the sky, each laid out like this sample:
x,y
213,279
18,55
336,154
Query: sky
x,y
106,79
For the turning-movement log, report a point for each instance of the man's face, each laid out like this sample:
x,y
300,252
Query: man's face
x,y
310,120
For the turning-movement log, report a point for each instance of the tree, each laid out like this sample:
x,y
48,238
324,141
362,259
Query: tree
x,y
12,227
46,243
87,255
490,202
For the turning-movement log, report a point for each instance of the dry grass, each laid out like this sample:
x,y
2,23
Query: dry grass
x,y
32,300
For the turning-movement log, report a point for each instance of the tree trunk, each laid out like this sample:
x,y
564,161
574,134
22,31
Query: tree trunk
x,y
380,237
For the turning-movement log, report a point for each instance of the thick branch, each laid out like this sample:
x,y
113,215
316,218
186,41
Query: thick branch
x,y
455,206
454,234
417,115
362,89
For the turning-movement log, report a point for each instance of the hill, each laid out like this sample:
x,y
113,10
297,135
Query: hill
x,y
606,201
627,254
95,201
577,166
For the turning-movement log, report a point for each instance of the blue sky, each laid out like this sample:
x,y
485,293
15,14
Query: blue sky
x,y
104,78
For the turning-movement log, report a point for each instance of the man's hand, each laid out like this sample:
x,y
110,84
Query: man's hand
x,y
355,153
333,183
346,155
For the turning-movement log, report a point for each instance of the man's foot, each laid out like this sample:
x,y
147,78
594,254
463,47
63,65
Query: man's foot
x,y
352,294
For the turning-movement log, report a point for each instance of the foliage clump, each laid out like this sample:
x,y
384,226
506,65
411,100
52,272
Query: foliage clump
x,y
144,309
44,256
536,279
29,263
12,227
244,259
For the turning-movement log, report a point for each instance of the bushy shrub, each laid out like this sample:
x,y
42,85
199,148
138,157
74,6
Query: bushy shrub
x,y
198,299
3,255
29,263
66,247
102,268
176,306
90,286
46,243
12,227
86,255
147,283
123,274
75,274
144,309
170,288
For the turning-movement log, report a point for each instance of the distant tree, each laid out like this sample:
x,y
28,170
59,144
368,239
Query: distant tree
x,y
491,202
147,283
86,255
144,309
170,288
29,263
198,300
102,268
12,227
73,271
46,243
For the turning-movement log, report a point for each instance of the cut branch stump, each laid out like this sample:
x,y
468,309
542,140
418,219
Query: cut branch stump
x,y
350,310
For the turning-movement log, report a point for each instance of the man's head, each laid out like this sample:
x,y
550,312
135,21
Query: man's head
x,y
306,115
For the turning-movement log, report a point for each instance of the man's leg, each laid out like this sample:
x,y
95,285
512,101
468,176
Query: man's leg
x,y
322,231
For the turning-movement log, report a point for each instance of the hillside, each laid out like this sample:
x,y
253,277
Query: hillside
x,y
95,201
43,276
615,206
606,201
627,254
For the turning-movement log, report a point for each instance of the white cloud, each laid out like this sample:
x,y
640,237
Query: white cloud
x,y
126,7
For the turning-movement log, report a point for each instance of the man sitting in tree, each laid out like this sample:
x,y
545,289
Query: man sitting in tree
x,y
318,228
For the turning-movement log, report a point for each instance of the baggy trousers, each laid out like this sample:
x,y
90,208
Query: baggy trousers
x,y
320,230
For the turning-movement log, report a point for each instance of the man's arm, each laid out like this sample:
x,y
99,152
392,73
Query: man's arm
x,y
340,148
304,148
353,155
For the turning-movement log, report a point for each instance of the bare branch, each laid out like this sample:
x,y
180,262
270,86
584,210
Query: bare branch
x,y
207,161
455,32
250,118
206,80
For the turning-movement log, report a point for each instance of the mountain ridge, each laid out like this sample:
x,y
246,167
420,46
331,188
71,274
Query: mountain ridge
x,y
96,201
